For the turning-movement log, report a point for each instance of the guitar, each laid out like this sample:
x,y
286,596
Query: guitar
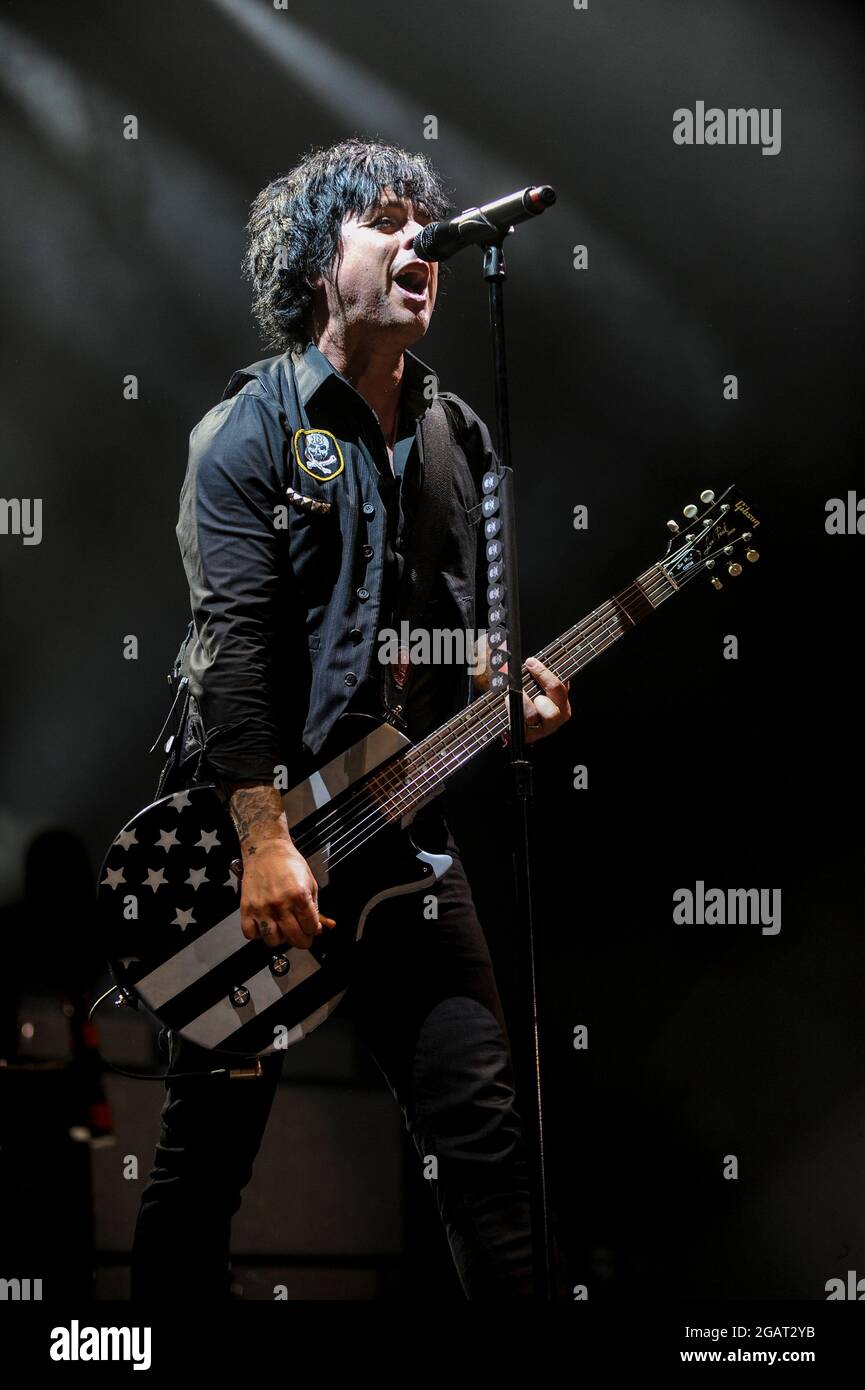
x,y
168,900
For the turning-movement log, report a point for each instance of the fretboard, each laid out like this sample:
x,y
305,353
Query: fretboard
x,y
422,770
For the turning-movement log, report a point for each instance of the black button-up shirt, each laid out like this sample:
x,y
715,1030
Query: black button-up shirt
x,y
288,599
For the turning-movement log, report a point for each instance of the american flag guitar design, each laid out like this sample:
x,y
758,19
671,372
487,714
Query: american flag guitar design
x,y
168,899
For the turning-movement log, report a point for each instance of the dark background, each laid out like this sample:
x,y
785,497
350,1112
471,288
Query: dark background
x,y
123,257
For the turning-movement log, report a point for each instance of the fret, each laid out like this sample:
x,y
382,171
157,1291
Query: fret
x,y
423,769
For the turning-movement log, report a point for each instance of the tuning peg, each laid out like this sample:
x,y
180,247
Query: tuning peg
x,y
715,582
752,555
690,511
707,496
735,569
673,526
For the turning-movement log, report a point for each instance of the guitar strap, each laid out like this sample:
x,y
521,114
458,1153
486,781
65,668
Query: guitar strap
x,y
424,542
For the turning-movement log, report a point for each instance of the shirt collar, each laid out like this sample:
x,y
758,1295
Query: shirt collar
x,y
420,384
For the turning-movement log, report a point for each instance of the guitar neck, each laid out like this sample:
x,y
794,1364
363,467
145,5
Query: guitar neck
x,y
422,770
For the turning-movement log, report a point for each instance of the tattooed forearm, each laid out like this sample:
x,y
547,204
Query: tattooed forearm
x,y
257,814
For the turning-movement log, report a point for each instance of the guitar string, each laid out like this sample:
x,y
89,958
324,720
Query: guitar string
x,y
484,716
654,584
474,718
354,834
485,720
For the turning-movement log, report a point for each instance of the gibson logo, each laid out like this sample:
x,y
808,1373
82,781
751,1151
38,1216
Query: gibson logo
x,y
743,508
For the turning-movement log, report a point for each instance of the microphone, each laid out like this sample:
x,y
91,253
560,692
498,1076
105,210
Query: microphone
x,y
437,241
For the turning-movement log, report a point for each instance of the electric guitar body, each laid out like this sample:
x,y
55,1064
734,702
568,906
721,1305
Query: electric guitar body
x,y
169,902
168,895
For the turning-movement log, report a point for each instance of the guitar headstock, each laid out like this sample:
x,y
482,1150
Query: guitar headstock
x,y
715,539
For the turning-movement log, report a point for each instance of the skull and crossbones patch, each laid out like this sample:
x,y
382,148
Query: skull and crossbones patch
x,y
318,454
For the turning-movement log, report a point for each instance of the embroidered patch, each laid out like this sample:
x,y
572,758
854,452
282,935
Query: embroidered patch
x,y
318,454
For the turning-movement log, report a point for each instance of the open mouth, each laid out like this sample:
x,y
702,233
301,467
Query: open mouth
x,y
412,282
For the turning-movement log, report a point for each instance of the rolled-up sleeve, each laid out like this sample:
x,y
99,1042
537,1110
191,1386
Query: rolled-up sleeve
x,y
234,558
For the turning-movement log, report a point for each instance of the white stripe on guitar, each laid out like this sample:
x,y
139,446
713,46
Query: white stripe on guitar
x,y
216,1025
265,989
196,960
342,771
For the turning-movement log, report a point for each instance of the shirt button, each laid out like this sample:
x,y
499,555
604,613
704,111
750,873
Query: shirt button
x,y
355,635
350,678
368,509
363,594
367,552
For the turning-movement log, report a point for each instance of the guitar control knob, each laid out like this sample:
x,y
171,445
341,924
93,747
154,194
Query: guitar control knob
x,y
280,965
674,527
239,996
707,496
715,582
690,511
735,569
752,555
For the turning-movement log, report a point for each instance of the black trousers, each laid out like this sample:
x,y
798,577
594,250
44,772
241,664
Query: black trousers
x,y
427,1006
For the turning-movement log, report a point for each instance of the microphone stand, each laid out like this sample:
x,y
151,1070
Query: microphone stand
x,y
494,272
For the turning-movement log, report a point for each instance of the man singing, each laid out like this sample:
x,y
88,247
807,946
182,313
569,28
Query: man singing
x,y
286,620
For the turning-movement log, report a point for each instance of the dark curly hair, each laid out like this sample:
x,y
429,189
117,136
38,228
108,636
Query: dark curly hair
x,y
293,230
